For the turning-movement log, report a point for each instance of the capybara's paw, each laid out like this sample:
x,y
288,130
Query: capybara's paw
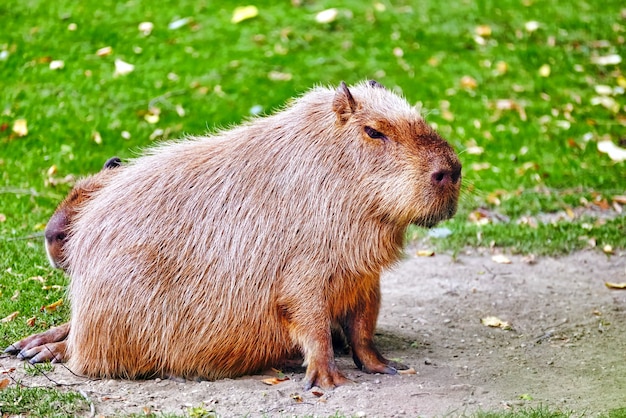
x,y
324,379
53,352
375,363
53,335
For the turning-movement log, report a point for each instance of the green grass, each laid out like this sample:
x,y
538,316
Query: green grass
x,y
41,402
538,158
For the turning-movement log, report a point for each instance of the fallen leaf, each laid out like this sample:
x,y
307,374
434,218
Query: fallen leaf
x,y
620,286
327,16
103,52
612,59
614,152
57,64
480,166
531,26
296,397
608,249
483,30
495,322
146,28
621,199
151,118
37,279
606,102
317,393
53,306
20,127
274,380
31,321
501,259
3,217
97,138
278,76
468,82
244,13
425,253
16,295
544,70
122,68
5,382
179,23
410,370
10,317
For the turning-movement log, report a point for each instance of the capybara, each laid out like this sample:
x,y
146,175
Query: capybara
x,y
50,345
57,227
223,255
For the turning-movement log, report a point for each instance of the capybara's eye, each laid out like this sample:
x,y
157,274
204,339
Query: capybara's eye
x,y
60,236
374,134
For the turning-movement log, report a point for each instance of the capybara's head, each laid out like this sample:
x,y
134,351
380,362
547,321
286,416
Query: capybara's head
x,y
418,174
58,226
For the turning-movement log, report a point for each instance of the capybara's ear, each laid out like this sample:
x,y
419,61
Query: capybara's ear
x,y
344,104
112,163
374,83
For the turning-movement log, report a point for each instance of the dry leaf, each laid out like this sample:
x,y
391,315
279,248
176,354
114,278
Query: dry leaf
x,y
179,23
613,59
15,296
410,370
5,382
327,16
501,259
97,138
544,70
20,127
151,118
620,286
244,13
57,64
3,217
495,322
614,152
53,306
146,28
296,397
608,249
274,380
480,166
468,82
531,26
10,317
278,76
37,279
483,30
122,68
425,253
103,52
619,199
31,321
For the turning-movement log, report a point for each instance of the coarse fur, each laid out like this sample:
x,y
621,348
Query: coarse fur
x,y
50,345
219,256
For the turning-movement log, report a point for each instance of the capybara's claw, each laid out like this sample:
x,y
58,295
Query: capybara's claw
x,y
53,352
324,379
13,348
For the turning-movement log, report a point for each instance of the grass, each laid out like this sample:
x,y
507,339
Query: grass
x,y
41,402
517,103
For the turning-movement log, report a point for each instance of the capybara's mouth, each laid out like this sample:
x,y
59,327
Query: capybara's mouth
x,y
438,214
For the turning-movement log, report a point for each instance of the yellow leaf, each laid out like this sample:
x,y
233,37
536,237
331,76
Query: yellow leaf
x,y
501,259
20,128
122,68
103,52
425,253
326,16
5,382
615,285
544,70
483,30
57,65
468,82
274,380
54,306
410,370
495,322
10,317
244,13
614,152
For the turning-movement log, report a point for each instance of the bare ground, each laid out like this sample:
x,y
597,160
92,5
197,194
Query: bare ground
x,y
566,349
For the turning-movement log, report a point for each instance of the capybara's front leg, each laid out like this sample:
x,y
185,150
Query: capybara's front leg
x,y
49,345
359,326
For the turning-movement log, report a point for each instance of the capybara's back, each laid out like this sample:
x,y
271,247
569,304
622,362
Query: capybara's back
x,y
219,256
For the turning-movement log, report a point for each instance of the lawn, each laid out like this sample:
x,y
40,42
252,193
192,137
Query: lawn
x,y
530,93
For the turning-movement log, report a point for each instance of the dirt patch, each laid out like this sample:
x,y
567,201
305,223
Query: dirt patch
x,y
566,348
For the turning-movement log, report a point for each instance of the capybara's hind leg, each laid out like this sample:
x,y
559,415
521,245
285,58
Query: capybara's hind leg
x,y
49,345
359,326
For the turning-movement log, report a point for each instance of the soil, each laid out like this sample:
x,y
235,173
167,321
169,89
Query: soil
x,y
565,349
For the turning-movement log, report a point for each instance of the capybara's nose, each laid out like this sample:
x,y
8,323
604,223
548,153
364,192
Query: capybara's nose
x,y
446,176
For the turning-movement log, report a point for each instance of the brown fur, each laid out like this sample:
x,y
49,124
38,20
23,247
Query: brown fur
x,y
50,345
255,240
